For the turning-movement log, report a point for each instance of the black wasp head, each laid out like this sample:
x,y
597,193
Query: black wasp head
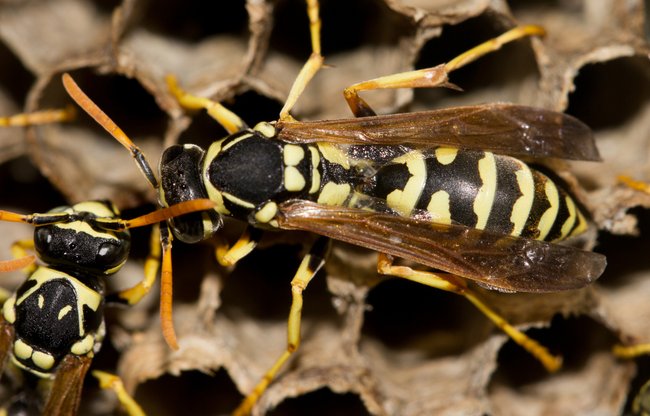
x,y
180,179
79,244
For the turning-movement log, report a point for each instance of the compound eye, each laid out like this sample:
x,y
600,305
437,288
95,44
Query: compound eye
x,y
43,238
110,254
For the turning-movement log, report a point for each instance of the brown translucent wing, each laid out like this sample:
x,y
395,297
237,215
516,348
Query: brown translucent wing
x,y
6,339
65,393
498,127
492,260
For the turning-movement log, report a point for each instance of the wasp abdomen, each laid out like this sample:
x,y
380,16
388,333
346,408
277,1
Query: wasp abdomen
x,y
480,190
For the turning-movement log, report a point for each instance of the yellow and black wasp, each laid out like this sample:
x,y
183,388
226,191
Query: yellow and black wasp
x,y
441,188
53,324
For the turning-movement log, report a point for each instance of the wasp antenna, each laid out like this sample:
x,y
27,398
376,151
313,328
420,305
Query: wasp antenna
x,y
109,125
15,264
14,217
164,214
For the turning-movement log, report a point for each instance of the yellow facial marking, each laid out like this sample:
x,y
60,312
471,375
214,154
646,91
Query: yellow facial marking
x,y
8,310
43,360
315,174
41,301
523,204
549,216
334,194
84,346
293,179
80,226
404,200
266,129
22,350
207,225
485,197
114,269
334,155
446,155
97,208
267,213
292,154
439,207
64,311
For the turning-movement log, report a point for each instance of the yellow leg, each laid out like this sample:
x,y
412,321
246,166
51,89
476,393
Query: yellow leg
x,y
113,382
229,120
634,184
38,117
455,284
134,294
631,351
20,249
229,256
311,67
309,266
432,77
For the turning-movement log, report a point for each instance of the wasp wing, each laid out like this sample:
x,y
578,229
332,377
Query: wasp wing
x,y
498,127
493,260
65,392
6,339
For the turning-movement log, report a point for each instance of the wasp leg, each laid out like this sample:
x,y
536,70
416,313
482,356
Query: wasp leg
x,y
631,351
134,294
309,266
229,256
229,120
21,249
634,184
455,284
437,76
113,382
311,67
38,117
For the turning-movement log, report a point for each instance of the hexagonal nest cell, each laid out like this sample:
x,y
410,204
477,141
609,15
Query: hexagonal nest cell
x,y
370,345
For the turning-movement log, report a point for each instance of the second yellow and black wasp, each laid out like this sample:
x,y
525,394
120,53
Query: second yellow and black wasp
x,y
53,324
442,188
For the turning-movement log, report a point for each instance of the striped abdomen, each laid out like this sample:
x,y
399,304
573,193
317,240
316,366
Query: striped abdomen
x,y
479,190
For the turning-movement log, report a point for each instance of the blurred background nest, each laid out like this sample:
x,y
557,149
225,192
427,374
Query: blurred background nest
x,y
370,345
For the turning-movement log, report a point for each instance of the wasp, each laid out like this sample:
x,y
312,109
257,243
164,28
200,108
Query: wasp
x,y
445,189
53,324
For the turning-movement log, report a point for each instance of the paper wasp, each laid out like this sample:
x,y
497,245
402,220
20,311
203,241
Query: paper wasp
x,y
53,324
439,188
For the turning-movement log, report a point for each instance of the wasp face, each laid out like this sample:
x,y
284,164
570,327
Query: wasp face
x,y
180,172
80,244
